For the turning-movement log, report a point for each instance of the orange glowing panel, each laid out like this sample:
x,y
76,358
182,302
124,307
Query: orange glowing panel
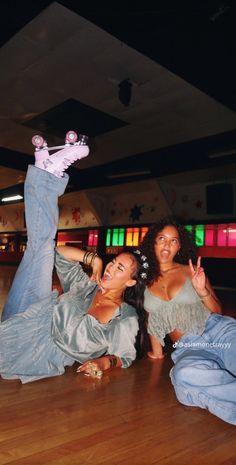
x,y
143,233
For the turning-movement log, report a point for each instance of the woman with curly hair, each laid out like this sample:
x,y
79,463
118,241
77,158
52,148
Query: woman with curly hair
x,y
180,302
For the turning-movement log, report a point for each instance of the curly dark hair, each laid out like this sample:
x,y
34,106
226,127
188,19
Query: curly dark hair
x,y
187,247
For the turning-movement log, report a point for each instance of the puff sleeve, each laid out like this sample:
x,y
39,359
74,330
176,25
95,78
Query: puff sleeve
x,y
69,272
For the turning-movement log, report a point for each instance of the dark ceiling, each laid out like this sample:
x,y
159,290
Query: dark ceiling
x,y
195,40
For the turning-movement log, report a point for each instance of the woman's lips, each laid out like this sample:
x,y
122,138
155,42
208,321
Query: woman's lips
x,y
106,277
165,253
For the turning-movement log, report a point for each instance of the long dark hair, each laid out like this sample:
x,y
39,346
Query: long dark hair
x,y
187,247
135,296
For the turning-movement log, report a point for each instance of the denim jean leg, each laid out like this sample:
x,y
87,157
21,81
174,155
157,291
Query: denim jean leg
x,y
221,332
33,279
200,381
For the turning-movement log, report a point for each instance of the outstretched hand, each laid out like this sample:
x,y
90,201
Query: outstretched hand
x,y
95,367
198,276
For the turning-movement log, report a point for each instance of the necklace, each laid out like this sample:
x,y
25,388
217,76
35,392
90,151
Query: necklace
x,y
169,269
162,278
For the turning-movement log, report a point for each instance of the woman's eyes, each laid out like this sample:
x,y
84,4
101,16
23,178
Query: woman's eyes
x,y
163,239
119,267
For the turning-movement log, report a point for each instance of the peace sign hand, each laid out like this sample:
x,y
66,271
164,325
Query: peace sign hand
x,y
198,277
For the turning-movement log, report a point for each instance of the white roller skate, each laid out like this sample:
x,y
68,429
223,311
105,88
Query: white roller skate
x,y
74,149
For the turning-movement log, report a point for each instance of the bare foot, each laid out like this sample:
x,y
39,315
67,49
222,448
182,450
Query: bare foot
x,y
155,356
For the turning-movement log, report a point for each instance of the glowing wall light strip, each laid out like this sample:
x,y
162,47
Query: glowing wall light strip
x,y
93,238
121,237
209,236
199,235
143,233
189,228
108,238
132,236
118,237
13,197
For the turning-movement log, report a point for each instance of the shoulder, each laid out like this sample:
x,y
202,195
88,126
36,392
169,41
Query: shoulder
x,y
182,267
186,270
127,311
128,322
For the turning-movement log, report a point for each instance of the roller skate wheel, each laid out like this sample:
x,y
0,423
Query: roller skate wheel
x,y
37,141
83,139
71,137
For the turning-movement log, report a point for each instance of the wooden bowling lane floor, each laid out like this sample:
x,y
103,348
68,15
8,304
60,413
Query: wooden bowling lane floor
x,y
130,416
7,274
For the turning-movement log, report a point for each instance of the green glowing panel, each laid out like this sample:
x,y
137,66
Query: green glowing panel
x,y
199,235
115,237
121,237
108,238
189,228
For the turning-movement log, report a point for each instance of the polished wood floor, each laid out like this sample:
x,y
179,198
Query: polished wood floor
x,y
128,417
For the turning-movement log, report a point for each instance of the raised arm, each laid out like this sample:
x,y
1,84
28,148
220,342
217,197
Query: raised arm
x,y
71,253
203,287
68,267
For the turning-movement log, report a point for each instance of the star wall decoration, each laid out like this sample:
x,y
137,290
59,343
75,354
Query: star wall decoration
x,y
198,204
136,212
76,216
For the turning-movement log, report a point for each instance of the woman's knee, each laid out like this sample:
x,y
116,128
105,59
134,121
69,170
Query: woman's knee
x,y
180,380
195,373
180,375
191,371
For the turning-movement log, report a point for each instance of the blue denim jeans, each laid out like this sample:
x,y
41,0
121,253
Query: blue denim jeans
x,y
33,279
204,374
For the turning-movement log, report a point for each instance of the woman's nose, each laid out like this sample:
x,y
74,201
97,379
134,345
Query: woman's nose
x,y
167,242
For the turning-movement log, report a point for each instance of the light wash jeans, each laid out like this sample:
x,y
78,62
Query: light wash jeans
x,y
204,374
33,279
